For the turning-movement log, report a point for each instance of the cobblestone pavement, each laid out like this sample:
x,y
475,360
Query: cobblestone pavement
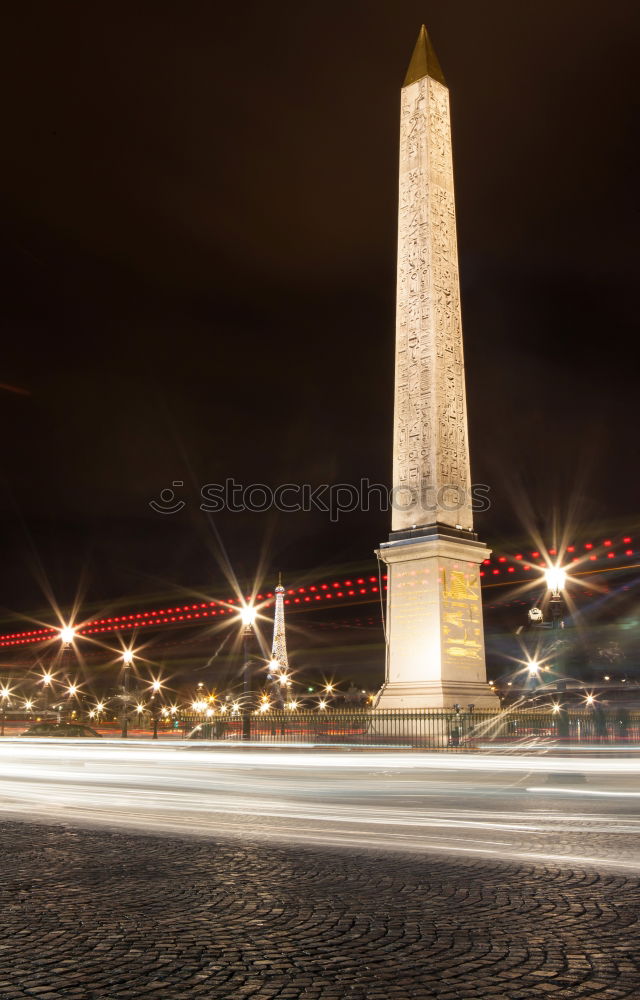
x,y
97,915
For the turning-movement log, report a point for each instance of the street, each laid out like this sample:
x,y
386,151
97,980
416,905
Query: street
x,y
578,809
185,870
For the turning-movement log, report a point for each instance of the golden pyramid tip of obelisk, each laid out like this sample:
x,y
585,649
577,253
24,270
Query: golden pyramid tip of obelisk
x,y
424,61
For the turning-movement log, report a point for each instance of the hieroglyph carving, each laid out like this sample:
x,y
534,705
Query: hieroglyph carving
x,y
431,458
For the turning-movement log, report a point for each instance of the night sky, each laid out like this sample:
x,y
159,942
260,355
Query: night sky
x,y
199,274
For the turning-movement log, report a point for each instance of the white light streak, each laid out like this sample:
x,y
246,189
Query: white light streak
x,y
419,801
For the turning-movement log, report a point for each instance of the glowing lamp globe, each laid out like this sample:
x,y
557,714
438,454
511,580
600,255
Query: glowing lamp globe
x,y
248,615
556,578
67,634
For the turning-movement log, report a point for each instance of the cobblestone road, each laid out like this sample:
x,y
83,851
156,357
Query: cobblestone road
x,y
99,915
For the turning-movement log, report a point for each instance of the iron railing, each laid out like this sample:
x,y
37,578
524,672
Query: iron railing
x,y
441,730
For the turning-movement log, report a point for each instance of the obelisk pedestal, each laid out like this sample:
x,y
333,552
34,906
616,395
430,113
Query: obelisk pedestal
x,y
435,642
435,654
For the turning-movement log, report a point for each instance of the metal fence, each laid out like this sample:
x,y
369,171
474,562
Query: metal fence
x,y
419,728
453,731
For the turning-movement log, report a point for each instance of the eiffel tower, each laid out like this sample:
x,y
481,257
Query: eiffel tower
x,y
279,646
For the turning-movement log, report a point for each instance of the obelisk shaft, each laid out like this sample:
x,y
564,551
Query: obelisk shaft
x,y
435,639
431,476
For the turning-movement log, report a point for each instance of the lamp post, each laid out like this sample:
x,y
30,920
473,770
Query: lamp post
x,y
247,617
127,662
66,635
47,681
556,579
4,695
72,694
156,687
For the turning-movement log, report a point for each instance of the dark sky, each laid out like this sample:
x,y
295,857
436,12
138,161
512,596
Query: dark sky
x,y
199,265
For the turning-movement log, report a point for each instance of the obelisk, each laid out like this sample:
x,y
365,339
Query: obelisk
x,y
435,640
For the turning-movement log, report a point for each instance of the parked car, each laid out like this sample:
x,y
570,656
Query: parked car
x,y
61,729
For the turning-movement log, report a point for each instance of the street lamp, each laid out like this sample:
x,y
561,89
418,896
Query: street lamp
x,y
72,692
248,617
556,578
533,669
156,687
47,683
4,695
127,661
66,634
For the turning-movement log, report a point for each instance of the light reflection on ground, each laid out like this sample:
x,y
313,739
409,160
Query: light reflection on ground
x,y
561,808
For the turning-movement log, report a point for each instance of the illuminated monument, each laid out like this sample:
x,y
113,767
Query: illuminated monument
x,y
279,645
435,640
